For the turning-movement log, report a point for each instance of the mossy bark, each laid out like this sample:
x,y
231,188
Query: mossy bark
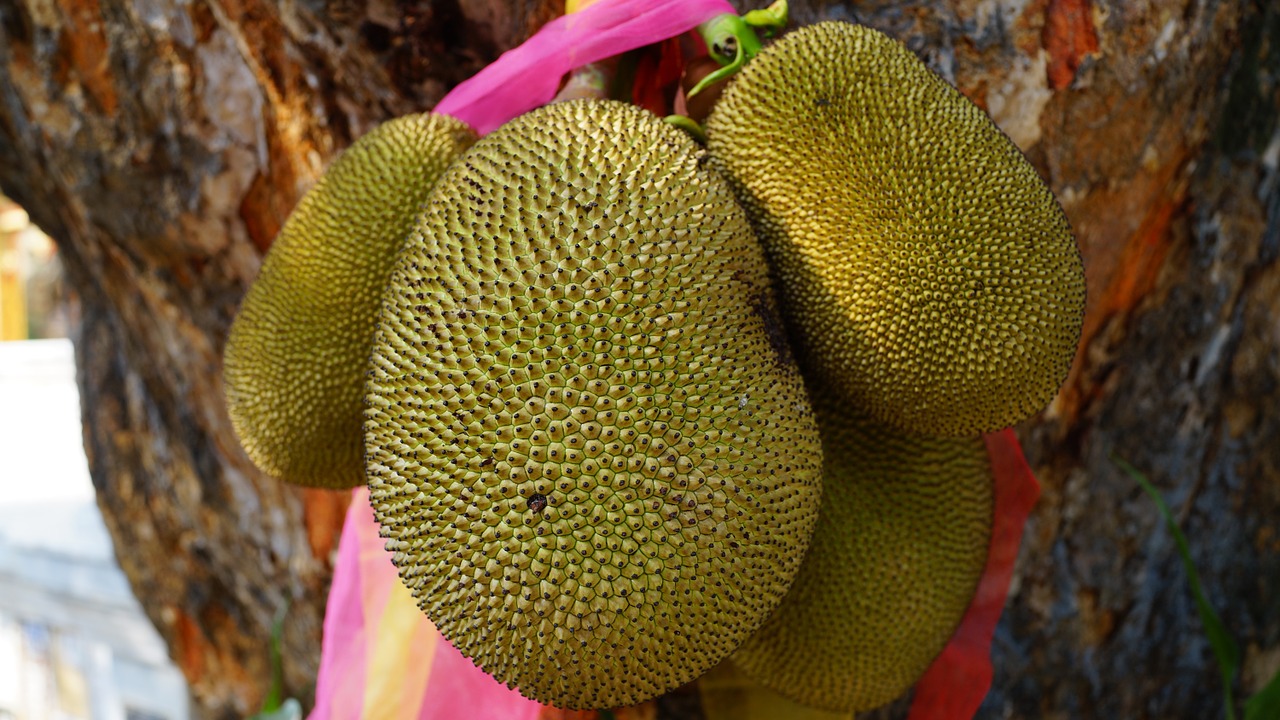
x,y
163,143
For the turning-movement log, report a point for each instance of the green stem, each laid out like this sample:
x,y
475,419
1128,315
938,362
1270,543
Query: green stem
x,y
768,20
688,125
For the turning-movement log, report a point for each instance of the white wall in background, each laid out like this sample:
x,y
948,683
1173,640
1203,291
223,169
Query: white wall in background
x,y
74,642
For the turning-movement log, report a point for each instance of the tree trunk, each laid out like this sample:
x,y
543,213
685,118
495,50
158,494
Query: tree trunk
x,y
162,144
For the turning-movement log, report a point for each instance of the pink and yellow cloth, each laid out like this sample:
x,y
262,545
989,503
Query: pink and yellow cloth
x,y
383,660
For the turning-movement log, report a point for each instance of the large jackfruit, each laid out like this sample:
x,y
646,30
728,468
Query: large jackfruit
x,y
927,273
900,545
296,358
587,442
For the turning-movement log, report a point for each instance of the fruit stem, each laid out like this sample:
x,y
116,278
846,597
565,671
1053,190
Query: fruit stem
x,y
688,125
589,81
733,40
768,20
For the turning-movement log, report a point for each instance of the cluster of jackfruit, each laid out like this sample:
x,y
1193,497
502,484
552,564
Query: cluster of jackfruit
x,y
557,358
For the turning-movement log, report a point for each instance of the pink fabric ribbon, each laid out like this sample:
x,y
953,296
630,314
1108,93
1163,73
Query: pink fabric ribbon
x,y
529,75
382,659
957,681
342,654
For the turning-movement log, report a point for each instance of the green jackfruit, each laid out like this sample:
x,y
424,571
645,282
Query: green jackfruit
x,y
587,443
926,272
900,545
296,358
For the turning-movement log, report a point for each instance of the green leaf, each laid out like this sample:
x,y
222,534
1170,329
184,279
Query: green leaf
x,y
273,699
1225,650
288,710
1266,704
272,706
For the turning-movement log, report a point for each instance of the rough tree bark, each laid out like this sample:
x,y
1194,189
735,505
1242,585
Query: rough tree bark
x,y
163,142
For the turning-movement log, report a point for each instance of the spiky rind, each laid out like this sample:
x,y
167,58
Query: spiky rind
x,y
900,545
296,358
587,444
927,272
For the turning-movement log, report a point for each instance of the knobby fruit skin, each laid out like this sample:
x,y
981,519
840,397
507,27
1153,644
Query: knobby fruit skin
x,y
296,358
587,443
926,272
900,545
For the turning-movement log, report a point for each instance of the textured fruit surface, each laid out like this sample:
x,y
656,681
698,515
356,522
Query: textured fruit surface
x,y
296,358
587,442
899,547
926,272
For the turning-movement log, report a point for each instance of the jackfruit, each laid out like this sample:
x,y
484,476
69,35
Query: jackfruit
x,y
587,443
901,542
296,358
926,272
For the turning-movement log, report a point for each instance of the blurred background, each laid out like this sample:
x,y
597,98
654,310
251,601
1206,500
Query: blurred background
x,y
74,641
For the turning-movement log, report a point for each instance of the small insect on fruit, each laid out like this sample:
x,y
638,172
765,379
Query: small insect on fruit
x,y
538,503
